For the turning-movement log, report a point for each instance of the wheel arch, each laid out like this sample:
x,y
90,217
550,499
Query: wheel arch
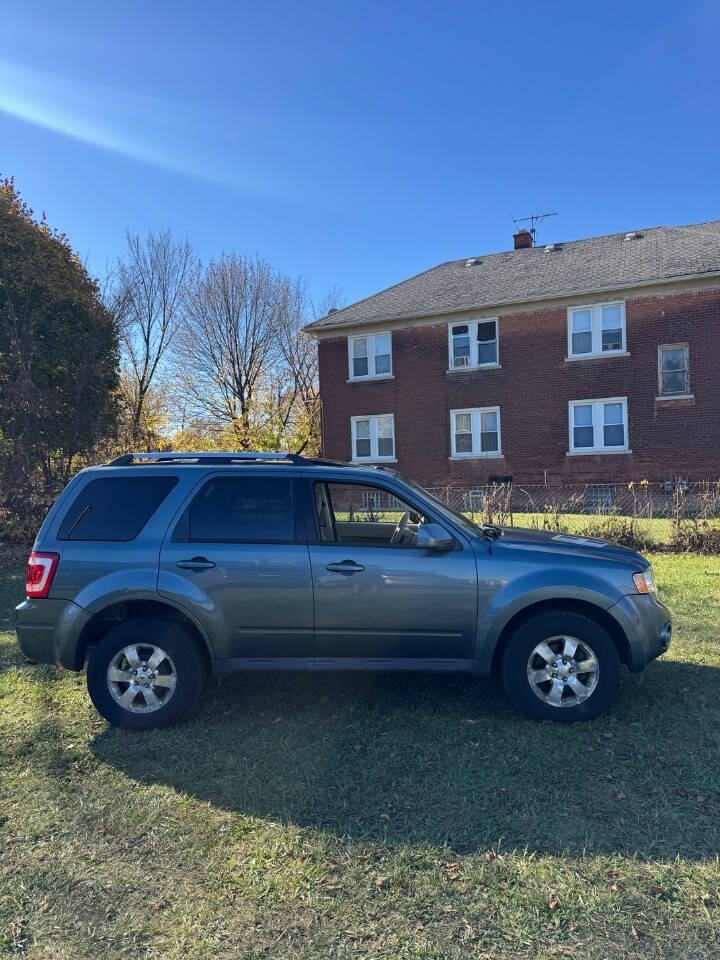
x,y
602,617
132,609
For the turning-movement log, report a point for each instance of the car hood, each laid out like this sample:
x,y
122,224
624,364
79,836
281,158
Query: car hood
x,y
547,540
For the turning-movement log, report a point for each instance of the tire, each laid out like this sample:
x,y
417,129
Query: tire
x,y
160,691
545,685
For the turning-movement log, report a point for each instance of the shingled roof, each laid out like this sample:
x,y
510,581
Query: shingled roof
x,y
537,273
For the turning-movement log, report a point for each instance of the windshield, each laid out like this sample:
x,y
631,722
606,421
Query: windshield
x,y
442,508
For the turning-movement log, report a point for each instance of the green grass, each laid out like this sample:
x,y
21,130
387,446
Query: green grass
x,y
654,529
369,817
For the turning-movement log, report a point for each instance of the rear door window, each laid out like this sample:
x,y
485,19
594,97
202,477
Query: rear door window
x,y
114,508
238,509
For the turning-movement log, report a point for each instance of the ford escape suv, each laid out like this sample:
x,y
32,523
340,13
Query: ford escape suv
x,y
157,569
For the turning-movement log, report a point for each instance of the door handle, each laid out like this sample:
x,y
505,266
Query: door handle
x,y
197,563
345,566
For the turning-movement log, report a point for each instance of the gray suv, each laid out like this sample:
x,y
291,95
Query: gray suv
x,y
158,569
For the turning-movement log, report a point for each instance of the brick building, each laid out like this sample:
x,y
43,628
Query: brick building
x,y
594,361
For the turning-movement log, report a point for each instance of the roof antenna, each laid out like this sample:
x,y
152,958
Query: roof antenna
x,y
532,220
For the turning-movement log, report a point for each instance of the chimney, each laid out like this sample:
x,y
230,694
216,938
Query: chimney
x,y
523,238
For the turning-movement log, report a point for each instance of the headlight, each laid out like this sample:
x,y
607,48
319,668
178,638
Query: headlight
x,y
645,582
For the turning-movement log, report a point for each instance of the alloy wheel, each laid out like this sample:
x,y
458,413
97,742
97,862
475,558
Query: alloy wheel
x,y
141,678
563,671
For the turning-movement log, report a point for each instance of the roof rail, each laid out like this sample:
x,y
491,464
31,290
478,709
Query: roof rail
x,y
220,456
211,456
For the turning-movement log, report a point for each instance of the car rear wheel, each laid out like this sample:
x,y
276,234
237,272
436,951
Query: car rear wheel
x,y
561,666
145,674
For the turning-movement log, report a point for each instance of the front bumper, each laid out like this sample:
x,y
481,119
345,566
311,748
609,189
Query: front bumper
x,y
48,631
647,624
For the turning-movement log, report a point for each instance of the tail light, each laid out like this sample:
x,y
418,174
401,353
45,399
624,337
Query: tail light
x,y
40,572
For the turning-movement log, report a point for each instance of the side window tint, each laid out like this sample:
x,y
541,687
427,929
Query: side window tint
x,y
114,508
236,509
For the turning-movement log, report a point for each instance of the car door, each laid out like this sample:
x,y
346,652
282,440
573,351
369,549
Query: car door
x,y
375,599
237,558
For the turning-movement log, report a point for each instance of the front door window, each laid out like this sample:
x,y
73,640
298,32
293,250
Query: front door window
x,y
357,513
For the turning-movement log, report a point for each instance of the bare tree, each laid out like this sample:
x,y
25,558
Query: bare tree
x,y
300,402
226,348
146,294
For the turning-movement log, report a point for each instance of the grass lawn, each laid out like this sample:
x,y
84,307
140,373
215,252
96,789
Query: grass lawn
x,y
367,816
655,529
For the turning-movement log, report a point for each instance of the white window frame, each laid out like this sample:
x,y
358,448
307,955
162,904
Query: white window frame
x,y
371,355
472,326
674,346
598,423
376,498
475,500
596,310
374,456
476,452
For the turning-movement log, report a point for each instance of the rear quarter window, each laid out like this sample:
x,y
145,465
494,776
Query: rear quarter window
x,y
114,508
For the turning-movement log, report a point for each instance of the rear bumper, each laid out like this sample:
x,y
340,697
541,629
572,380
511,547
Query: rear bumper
x,y
48,631
647,625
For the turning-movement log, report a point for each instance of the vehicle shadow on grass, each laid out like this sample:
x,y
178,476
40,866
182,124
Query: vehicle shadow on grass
x,y
408,759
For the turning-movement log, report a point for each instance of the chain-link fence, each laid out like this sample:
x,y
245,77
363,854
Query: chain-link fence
x,y
676,513
640,500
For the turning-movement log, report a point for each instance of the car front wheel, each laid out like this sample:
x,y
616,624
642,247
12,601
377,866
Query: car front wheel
x,y
145,674
561,666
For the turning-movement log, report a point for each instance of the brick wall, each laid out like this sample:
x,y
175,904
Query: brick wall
x,y
532,388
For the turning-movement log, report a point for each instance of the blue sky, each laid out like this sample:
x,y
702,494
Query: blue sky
x,y
358,144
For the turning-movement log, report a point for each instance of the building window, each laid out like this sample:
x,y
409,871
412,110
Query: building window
x,y
474,500
598,425
375,499
373,438
596,331
474,344
370,356
674,370
475,433
599,498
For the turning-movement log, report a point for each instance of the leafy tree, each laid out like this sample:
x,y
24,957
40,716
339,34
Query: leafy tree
x,y
58,364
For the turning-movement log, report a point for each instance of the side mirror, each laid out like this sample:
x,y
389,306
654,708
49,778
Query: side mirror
x,y
431,536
